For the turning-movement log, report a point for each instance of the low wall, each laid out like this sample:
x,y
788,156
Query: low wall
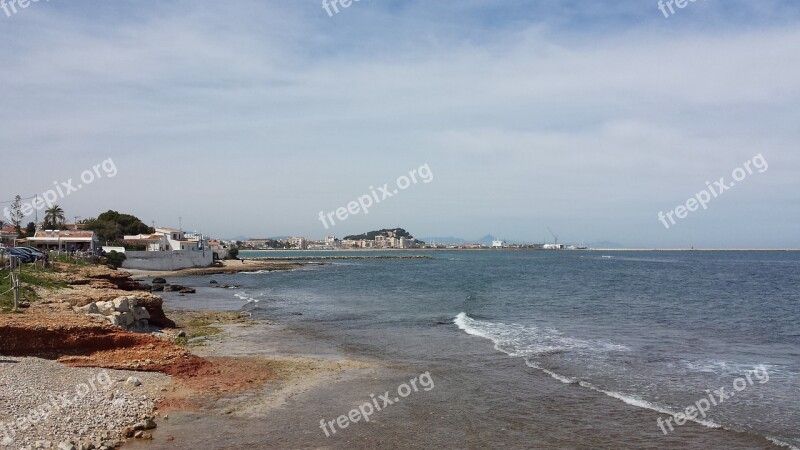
x,y
175,260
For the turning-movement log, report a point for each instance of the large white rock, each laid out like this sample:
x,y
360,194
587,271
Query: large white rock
x,y
115,319
140,313
105,308
121,304
132,301
91,308
127,319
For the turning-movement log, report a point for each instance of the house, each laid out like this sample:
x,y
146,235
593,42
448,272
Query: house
x,y
8,237
167,249
67,240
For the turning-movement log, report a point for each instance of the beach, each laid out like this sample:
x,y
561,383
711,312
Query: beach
x,y
349,355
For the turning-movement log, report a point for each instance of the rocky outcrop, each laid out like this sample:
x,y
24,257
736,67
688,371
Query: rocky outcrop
x,y
138,311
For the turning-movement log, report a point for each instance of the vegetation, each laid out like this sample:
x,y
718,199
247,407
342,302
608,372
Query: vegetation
x,y
16,213
115,259
54,218
233,253
398,233
111,226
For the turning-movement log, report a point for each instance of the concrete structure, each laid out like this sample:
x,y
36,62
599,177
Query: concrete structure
x,y
171,260
499,244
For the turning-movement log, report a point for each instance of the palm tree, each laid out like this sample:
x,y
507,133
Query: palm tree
x,y
53,217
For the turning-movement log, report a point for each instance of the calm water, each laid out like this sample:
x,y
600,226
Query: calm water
x,y
649,332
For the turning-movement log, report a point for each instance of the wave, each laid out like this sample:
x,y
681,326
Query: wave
x,y
247,297
529,340
781,443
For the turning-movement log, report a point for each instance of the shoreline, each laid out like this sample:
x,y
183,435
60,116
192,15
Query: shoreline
x,y
229,267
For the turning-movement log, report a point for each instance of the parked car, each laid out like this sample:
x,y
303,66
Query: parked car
x,y
21,255
34,251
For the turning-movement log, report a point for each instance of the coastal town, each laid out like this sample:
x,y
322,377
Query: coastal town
x,y
165,248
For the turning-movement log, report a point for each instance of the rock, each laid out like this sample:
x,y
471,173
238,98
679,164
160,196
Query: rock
x,y
7,442
159,280
157,288
24,305
149,424
133,381
138,434
143,323
140,312
127,319
212,282
121,304
132,301
66,446
105,308
188,290
114,319
172,288
181,334
153,305
91,308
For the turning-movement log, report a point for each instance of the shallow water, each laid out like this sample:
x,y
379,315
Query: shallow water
x,y
543,349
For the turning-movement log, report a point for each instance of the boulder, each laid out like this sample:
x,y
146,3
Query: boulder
x,y
157,288
91,308
140,312
121,304
127,319
153,305
115,319
172,288
187,290
159,280
105,308
133,381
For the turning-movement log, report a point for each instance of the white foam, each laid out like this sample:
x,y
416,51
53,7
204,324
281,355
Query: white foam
x,y
559,377
781,443
529,340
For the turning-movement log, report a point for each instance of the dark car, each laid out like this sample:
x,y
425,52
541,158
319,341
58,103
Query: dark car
x,y
20,254
33,251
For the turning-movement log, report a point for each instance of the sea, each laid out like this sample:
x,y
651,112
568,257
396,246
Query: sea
x,y
558,349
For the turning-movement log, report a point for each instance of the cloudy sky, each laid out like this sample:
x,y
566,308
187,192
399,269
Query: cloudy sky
x,y
251,117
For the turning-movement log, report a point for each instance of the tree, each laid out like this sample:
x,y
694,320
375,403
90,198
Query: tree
x,y
233,253
16,213
54,218
115,259
111,226
30,230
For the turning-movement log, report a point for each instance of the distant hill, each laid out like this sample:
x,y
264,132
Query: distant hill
x,y
369,236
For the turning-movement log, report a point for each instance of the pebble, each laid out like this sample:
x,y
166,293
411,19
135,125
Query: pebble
x,y
79,420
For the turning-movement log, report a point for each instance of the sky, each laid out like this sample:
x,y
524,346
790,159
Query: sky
x,y
249,118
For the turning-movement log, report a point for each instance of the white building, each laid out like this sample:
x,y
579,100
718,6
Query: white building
x,y
499,244
168,249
